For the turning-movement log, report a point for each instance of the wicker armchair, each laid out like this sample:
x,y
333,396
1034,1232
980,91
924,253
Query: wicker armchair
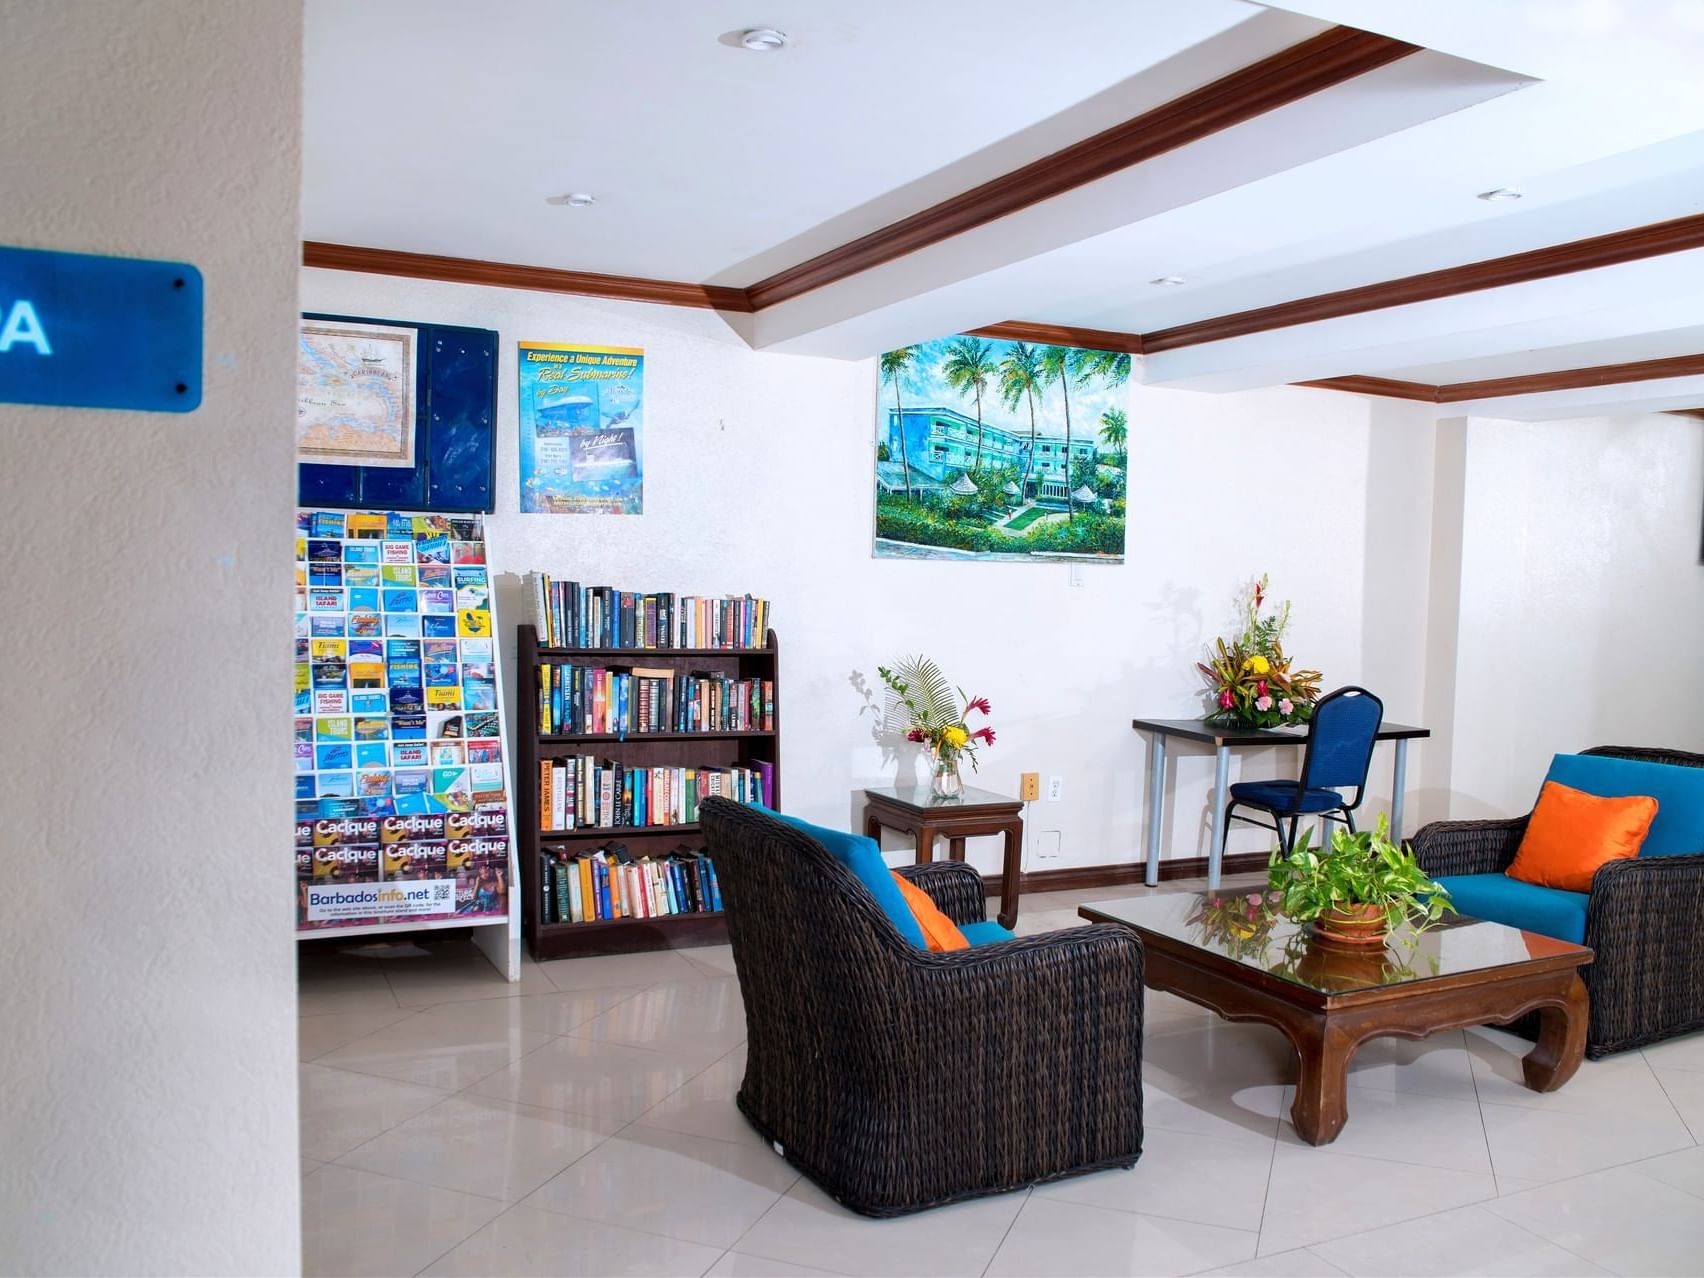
x,y
899,1079
1644,921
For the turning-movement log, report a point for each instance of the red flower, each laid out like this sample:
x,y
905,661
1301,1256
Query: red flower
x,y
987,734
980,703
914,735
1261,688
1225,700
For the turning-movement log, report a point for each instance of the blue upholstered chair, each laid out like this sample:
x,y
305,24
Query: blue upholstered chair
x,y
1338,753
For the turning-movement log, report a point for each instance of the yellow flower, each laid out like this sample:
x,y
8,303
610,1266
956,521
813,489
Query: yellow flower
x,y
955,737
1259,664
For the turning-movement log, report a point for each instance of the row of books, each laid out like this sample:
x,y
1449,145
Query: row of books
x,y
611,883
622,699
569,615
582,791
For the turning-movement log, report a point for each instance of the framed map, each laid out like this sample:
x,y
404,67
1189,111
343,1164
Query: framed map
x,y
355,394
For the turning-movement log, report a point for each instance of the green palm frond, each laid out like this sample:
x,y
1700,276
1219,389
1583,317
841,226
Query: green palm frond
x,y
923,687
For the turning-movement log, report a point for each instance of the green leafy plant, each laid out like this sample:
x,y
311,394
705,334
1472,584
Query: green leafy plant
x,y
1363,868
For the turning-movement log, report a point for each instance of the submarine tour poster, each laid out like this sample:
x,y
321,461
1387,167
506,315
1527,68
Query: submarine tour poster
x,y
582,429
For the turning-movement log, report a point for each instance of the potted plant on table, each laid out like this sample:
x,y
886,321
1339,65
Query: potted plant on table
x,y
1358,889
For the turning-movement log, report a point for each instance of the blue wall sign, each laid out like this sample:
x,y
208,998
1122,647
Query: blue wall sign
x,y
99,332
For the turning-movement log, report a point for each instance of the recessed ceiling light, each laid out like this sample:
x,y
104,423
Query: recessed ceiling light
x,y
1168,279
1501,193
763,40
573,200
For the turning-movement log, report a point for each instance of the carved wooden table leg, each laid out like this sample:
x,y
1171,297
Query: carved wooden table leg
x,y
1322,1089
1561,1041
925,844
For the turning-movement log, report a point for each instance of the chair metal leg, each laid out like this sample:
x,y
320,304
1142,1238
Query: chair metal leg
x,y
1349,819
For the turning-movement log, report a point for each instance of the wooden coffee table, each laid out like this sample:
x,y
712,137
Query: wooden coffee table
x,y
1329,999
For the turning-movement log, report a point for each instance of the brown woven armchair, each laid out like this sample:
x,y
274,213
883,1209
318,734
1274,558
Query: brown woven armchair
x,y
899,1079
1644,921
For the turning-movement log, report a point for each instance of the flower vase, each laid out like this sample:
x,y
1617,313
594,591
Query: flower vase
x,y
944,779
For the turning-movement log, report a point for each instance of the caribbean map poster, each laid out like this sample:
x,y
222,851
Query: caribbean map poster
x,y
1001,451
582,429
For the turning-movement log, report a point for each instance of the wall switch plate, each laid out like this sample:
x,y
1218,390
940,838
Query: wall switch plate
x,y
1055,789
1076,574
1029,787
1048,844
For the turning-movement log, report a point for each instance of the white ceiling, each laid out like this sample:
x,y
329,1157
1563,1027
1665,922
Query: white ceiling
x,y
437,126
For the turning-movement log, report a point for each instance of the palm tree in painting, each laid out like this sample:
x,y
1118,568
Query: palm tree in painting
x,y
1064,364
968,367
1020,381
895,365
1112,367
1115,430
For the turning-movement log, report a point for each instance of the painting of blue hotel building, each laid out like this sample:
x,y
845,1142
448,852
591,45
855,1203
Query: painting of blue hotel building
x,y
942,442
1001,451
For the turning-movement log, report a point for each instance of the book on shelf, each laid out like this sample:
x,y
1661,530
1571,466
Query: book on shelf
x,y
580,791
610,883
643,700
569,615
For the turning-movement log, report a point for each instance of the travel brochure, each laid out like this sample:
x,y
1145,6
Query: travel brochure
x,y
402,806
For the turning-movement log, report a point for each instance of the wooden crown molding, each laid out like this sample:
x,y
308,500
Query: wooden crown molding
x,y
1095,339
543,279
1646,370
1674,236
1388,387
1328,59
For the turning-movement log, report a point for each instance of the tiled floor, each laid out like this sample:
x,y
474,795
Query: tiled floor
x,y
582,1122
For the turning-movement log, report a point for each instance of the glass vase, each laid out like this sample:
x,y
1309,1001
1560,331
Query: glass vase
x,y
944,779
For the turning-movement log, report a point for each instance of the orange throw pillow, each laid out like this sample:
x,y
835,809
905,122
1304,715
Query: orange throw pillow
x,y
938,929
1571,833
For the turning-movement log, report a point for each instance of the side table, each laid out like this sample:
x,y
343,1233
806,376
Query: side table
x,y
919,813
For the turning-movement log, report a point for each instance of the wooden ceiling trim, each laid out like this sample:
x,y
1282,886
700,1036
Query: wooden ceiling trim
x,y
543,279
1289,75
1095,339
1634,244
1647,370
1388,387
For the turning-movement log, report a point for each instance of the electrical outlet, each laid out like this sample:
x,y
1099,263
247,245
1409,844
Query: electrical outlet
x,y
1029,787
1055,789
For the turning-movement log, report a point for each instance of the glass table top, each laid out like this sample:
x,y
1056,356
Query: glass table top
x,y
1245,928
922,798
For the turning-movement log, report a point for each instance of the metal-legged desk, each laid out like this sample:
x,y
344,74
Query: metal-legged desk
x,y
1223,741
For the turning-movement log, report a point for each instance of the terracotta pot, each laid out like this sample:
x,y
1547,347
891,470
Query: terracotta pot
x,y
1353,925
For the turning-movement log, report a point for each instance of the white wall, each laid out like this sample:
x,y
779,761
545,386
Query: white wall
x,y
148,1044
1581,598
759,477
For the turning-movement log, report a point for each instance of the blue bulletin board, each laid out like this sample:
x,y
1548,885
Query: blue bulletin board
x,y
455,444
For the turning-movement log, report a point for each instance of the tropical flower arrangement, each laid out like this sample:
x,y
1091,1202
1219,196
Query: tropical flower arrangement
x,y
938,719
1250,679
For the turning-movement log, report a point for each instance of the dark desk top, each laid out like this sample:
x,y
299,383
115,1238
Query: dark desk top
x,y
919,799
1198,730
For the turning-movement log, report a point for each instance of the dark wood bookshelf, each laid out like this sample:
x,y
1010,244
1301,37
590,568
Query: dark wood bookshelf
x,y
638,749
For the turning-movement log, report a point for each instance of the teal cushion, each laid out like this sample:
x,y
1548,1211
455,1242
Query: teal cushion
x,y
1547,911
863,857
989,933
1679,827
